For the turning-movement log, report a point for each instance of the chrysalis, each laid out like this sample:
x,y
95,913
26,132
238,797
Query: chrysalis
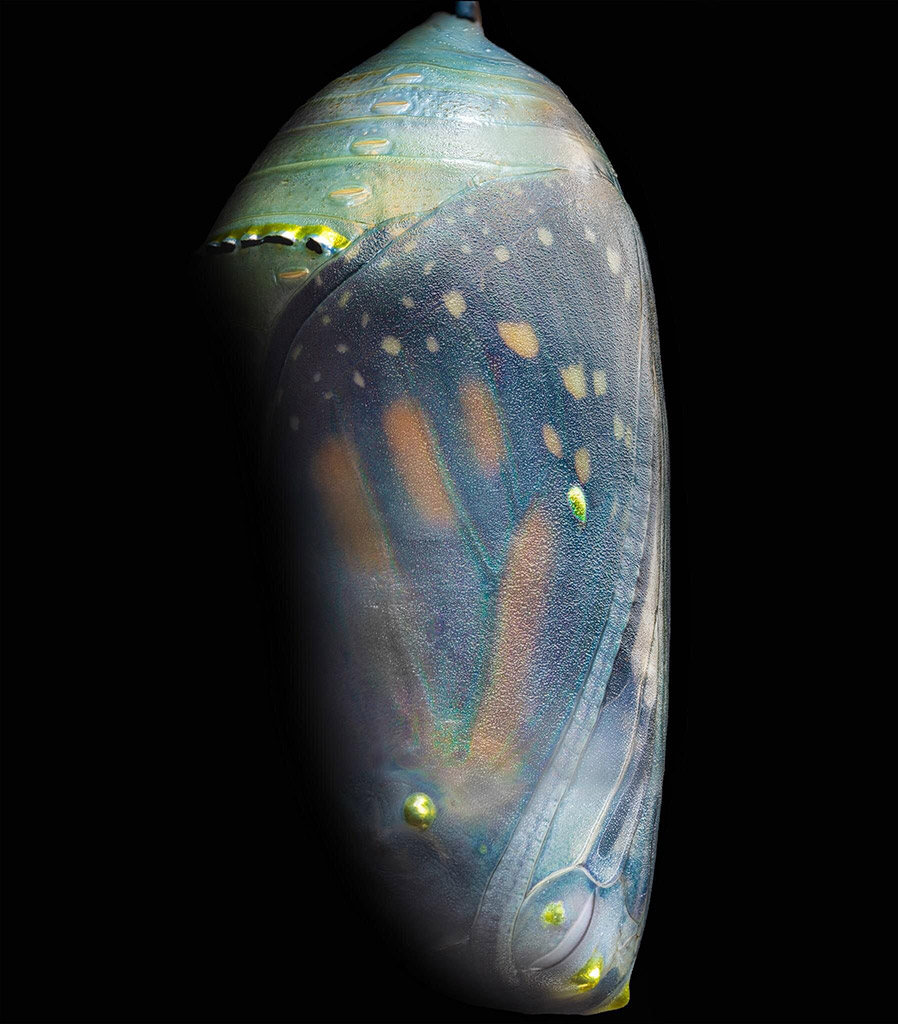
x,y
448,321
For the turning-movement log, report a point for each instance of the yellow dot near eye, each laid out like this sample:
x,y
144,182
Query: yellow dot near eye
x,y
554,915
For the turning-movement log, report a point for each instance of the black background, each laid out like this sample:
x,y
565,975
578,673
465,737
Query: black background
x,y
164,855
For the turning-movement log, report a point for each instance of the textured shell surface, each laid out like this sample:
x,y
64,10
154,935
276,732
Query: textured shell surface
x,y
448,325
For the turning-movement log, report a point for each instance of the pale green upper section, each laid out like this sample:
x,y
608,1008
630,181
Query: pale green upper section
x,y
440,111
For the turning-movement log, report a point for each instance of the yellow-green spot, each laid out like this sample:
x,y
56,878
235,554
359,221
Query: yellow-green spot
x,y
621,999
482,848
577,500
589,975
419,810
554,914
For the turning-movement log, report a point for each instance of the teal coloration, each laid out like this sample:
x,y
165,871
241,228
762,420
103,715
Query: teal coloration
x,y
429,395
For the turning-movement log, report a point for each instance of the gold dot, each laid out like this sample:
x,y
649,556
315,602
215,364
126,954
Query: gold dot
x,y
344,298
581,464
502,254
599,382
552,440
520,338
589,975
577,500
455,303
419,810
574,380
391,345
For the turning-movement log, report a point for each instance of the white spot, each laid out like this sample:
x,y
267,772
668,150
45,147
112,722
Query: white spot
x,y
545,236
407,302
359,379
455,303
365,319
409,246
599,382
344,298
614,260
428,267
328,394
325,319
341,349
589,234
391,345
432,344
628,437
384,264
574,380
502,254
316,376
296,352
466,249
618,428
485,231
470,211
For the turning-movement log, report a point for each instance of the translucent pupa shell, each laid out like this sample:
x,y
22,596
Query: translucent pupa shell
x,y
448,323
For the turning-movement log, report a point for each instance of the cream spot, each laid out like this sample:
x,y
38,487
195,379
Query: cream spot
x,y
432,344
574,380
520,338
466,249
628,288
341,349
628,437
391,345
395,230
614,260
618,428
294,423
470,211
502,254
407,302
325,319
365,319
455,303
552,440
385,264
426,269
359,379
328,395
485,232
599,382
296,352
613,511
410,246
589,234
316,376
293,275
545,236
581,465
